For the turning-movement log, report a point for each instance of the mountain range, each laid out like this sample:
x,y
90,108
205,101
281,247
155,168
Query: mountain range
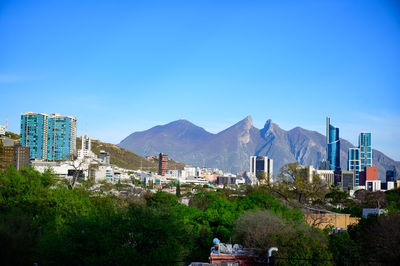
x,y
231,148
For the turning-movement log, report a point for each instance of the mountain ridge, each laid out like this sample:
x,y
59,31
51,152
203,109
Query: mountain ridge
x,y
231,148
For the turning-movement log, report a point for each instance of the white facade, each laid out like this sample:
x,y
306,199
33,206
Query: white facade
x,y
260,164
188,171
86,148
390,185
328,176
2,130
373,185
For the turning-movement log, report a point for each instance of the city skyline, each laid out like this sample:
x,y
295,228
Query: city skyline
x,y
114,66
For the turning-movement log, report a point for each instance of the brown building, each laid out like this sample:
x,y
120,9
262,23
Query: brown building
x,y
21,157
162,164
369,174
6,156
13,155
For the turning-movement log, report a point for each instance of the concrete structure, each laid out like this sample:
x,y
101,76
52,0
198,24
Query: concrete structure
x,y
104,158
86,148
21,157
368,211
347,180
333,146
226,180
262,164
373,185
162,164
11,154
337,220
2,130
391,174
328,176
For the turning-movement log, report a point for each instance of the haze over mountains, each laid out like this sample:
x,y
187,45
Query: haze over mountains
x,y
231,148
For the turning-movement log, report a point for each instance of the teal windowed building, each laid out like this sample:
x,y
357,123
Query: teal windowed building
x,y
49,137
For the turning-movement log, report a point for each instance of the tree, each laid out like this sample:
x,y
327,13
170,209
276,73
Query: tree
x,y
178,189
294,183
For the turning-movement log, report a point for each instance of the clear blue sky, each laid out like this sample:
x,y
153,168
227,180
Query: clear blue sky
x,y
125,66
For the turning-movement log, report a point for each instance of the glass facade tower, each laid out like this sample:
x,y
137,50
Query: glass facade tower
x,y
61,137
364,143
48,137
354,164
34,128
332,146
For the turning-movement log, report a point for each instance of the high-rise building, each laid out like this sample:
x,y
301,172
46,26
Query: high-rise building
x,y
48,137
261,164
162,164
332,145
34,127
364,143
360,157
61,137
354,164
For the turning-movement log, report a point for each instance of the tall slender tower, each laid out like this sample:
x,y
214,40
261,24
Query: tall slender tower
x,y
332,145
364,143
34,128
61,137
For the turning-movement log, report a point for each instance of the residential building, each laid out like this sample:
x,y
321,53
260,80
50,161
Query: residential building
x,y
61,137
261,164
162,164
48,137
332,146
6,156
86,148
34,128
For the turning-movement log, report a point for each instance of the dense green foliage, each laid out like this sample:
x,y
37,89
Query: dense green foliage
x,y
45,222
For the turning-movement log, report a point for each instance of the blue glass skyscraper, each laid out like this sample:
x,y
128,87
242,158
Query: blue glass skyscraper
x,y
48,137
61,137
34,134
332,146
364,143
354,164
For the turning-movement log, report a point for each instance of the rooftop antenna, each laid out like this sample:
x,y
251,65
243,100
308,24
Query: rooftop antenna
x,y
6,122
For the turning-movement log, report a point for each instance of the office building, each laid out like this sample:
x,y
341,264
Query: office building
x,y
61,137
391,174
34,127
21,157
162,164
347,180
332,146
354,163
261,164
369,174
365,146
